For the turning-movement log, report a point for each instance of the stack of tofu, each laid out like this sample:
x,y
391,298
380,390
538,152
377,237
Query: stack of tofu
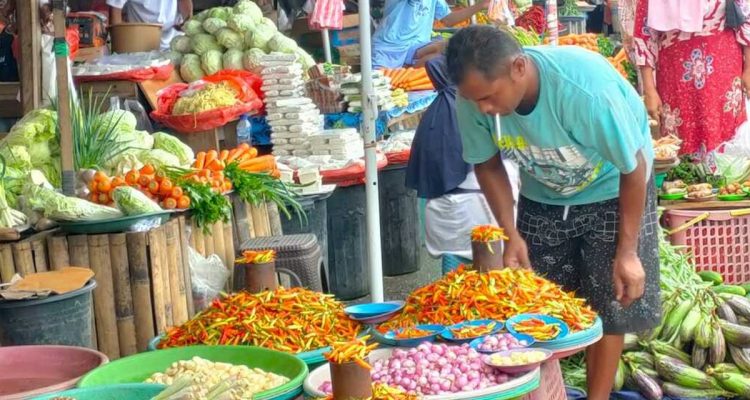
x,y
340,144
351,87
292,115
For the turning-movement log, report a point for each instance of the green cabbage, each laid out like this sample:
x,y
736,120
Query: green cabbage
x,y
193,27
159,158
229,38
203,43
201,16
174,57
184,153
222,13
136,140
212,25
232,59
52,170
39,125
115,120
304,58
190,68
282,44
211,62
132,202
251,59
241,22
124,162
250,9
58,207
180,44
258,38
16,157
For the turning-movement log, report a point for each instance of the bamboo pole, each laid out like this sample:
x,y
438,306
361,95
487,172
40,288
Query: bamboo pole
x,y
208,242
217,236
104,296
229,246
78,249
23,258
57,248
123,294
7,267
140,285
198,240
274,218
39,251
160,279
260,220
176,278
185,265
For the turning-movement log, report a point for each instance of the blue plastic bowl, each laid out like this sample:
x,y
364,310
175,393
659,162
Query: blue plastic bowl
x,y
564,330
448,332
370,310
519,336
435,330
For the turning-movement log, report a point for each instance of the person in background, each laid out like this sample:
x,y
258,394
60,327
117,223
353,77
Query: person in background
x,y
169,13
405,34
692,69
587,211
455,204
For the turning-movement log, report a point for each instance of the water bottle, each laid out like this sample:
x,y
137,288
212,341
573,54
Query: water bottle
x,y
245,130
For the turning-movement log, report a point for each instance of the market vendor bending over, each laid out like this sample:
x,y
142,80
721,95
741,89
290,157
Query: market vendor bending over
x,y
405,33
169,13
587,213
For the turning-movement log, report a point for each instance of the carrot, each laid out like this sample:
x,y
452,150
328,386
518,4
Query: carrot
x,y
200,160
235,154
253,152
210,156
223,155
420,82
244,146
215,165
258,164
422,87
397,77
276,173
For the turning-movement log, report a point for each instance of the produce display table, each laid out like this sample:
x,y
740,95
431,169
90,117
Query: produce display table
x,y
706,205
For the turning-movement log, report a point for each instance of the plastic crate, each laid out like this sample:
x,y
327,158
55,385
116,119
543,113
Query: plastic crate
x,y
576,25
551,386
718,239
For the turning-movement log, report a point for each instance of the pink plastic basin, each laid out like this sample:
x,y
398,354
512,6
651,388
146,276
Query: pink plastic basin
x,y
27,371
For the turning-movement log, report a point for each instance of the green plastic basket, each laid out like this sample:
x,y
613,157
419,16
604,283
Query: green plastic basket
x,y
659,179
138,368
129,391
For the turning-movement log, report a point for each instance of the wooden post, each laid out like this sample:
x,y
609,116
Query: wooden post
x,y
160,279
229,246
104,296
198,241
57,248
7,267
23,258
123,294
260,220
217,235
176,277
63,98
30,62
185,265
208,241
140,285
274,217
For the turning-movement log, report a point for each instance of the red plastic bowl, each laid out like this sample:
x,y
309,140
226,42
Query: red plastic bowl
x,y
27,371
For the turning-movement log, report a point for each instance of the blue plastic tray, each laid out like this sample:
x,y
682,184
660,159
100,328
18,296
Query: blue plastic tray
x,y
564,330
448,334
575,339
369,310
390,340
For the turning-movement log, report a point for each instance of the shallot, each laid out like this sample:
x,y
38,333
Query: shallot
x,y
501,342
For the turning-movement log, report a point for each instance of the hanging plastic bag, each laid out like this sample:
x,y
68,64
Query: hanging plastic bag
x,y
208,275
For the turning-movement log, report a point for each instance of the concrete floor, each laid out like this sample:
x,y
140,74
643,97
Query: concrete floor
x,y
399,287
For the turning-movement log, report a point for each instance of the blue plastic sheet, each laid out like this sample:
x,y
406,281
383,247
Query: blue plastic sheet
x,y
418,101
261,130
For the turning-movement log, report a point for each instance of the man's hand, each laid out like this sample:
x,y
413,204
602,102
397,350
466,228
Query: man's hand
x,y
629,278
653,105
746,81
516,254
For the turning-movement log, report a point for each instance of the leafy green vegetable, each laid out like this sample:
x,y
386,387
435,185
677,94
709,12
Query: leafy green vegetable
x,y
180,44
207,207
116,120
58,207
193,27
261,188
201,16
174,57
241,22
159,158
222,13
212,25
190,68
232,59
211,62
171,144
202,43
733,168
132,202
250,9
259,38
251,59
229,38
16,157
282,44
606,48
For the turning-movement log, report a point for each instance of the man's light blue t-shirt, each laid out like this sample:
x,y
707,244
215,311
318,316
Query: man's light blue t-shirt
x,y
406,25
585,130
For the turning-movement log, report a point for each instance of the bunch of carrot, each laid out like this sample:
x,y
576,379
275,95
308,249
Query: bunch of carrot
x,y
618,60
588,41
100,188
245,155
157,187
409,79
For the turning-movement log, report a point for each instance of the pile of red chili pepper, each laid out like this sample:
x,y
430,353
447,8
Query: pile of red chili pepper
x,y
465,295
291,320
355,350
533,19
487,234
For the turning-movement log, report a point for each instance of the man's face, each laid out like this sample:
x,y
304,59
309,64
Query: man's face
x,y
499,95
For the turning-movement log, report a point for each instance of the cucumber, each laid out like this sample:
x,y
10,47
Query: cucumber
x,y
746,286
733,289
711,276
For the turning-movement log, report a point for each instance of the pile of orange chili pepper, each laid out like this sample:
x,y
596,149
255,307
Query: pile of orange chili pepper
x,y
355,350
538,329
291,320
411,332
256,257
381,391
464,295
469,331
487,233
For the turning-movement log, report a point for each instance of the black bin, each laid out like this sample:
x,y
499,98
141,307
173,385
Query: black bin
x,y
349,275
399,222
315,208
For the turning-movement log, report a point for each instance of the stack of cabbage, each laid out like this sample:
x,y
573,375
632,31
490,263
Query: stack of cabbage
x,y
230,38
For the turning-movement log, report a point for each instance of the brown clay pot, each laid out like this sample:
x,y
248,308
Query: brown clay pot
x,y
350,381
260,277
487,256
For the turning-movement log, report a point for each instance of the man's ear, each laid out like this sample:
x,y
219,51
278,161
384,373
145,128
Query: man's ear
x,y
518,67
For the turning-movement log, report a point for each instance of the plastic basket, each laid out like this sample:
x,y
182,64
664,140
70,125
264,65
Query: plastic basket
x,y
718,240
551,385
576,25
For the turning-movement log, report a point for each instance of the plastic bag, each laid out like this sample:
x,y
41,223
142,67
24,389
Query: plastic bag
x,y
208,275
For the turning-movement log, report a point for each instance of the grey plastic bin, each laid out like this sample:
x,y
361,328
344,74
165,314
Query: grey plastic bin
x,y
399,222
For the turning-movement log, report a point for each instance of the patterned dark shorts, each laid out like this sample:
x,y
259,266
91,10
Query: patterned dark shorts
x,y
577,252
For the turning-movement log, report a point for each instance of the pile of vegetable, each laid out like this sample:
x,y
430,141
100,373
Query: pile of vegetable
x,y
256,257
525,37
205,97
589,41
292,320
692,171
356,351
533,19
569,9
410,79
487,234
666,147
465,295
230,38
201,379
379,392
501,342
